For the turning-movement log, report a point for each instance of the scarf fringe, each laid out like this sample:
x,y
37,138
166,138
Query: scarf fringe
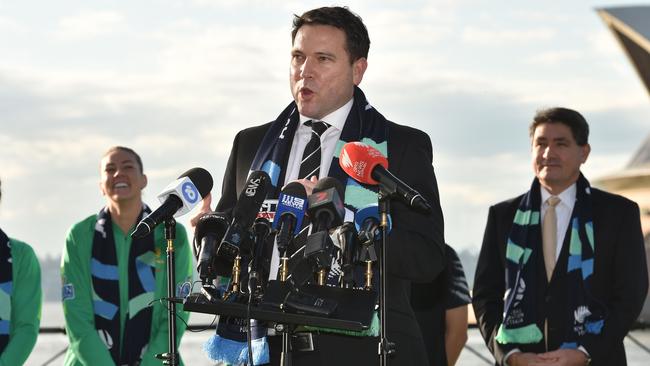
x,y
231,352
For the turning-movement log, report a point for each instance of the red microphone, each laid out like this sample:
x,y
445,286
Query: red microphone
x,y
368,165
358,160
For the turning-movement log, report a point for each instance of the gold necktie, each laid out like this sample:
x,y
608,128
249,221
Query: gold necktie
x,y
549,235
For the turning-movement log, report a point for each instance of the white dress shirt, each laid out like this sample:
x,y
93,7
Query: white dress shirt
x,y
328,141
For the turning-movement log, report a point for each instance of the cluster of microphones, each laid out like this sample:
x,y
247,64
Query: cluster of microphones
x,y
313,241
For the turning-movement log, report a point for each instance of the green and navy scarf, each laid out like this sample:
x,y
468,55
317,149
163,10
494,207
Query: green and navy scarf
x,y
6,285
584,314
106,291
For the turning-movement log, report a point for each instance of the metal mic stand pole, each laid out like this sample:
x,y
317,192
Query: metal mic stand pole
x,y
170,234
385,347
285,355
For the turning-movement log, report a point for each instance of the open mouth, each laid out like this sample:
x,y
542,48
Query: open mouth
x,y
306,92
120,185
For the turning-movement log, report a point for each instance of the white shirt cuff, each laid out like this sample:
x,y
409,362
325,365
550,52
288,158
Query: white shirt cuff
x,y
505,358
583,350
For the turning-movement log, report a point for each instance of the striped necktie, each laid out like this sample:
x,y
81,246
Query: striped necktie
x,y
310,163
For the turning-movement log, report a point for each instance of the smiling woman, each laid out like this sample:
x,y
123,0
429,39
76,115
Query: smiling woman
x,y
110,280
122,182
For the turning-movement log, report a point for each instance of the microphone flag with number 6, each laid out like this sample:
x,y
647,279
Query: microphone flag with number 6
x,y
177,198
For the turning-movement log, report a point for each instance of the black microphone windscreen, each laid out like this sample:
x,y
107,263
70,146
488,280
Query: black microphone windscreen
x,y
329,182
251,198
295,189
214,222
201,178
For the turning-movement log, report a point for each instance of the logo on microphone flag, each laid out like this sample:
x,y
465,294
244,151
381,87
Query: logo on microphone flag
x,y
189,192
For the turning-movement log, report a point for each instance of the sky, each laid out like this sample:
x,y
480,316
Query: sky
x,y
175,80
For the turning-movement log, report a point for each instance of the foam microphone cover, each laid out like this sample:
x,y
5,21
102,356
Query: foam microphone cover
x,y
214,223
251,198
326,202
207,235
358,160
329,182
292,201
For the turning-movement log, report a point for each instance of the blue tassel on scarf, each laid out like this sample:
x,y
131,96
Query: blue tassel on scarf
x,y
229,344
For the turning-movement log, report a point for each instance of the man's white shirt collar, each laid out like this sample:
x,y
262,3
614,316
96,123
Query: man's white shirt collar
x,y
335,119
567,197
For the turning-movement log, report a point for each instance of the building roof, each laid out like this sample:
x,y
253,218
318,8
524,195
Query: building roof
x,y
641,159
631,27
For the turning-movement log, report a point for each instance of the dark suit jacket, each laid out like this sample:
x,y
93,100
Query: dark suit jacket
x,y
416,242
620,280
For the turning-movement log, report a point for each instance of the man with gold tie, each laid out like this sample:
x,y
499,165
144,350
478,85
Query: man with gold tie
x,y
562,274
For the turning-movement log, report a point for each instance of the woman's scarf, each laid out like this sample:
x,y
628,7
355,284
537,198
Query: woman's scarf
x,y
106,291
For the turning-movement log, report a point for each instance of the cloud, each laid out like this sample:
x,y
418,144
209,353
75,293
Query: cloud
x,y
179,88
11,26
89,24
499,37
552,58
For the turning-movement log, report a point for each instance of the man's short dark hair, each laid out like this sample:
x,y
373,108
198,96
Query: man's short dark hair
x,y
356,34
572,119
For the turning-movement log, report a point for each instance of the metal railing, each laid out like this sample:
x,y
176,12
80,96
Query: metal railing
x,y
469,348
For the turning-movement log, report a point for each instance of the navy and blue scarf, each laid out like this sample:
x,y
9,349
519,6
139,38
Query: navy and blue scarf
x,y
584,315
106,291
6,286
364,123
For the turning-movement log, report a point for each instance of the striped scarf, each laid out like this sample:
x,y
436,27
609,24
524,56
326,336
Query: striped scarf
x,y
106,291
6,285
365,124
584,314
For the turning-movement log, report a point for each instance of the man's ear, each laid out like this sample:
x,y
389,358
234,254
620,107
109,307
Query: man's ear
x,y
358,69
586,149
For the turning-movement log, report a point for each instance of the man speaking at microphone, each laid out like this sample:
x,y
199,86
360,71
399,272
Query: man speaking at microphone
x,y
328,60
111,282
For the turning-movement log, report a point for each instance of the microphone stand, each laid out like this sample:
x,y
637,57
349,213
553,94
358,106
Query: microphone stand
x,y
386,348
285,329
171,358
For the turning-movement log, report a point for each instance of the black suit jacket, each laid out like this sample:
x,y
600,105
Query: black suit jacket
x,y
620,280
416,242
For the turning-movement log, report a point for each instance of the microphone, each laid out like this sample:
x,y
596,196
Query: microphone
x,y
262,229
345,238
292,205
326,208
327,211
208,233
367,165
366,221
245,211
177,198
